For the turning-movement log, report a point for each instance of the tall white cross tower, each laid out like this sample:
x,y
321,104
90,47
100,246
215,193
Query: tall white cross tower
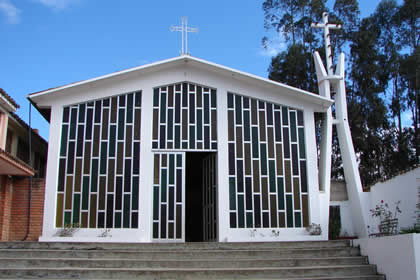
x,y
328,80
184,29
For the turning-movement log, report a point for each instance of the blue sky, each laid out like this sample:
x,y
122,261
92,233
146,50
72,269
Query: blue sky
x,y
48,43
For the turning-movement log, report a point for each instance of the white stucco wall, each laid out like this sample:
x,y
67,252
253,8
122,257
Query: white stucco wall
x,y
398,256
404,188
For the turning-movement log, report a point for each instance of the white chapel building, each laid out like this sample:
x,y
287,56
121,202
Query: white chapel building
x,y
182,150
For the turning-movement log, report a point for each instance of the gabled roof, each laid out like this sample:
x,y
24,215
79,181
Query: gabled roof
x,y
7,101
206,65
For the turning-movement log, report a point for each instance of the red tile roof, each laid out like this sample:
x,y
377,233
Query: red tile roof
x,y
9,98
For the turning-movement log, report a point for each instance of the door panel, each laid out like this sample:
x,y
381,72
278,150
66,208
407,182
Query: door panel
x,y
209,198
169,196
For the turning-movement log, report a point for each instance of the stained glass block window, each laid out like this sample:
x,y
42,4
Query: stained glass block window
x,y
267,165
184,117
99,165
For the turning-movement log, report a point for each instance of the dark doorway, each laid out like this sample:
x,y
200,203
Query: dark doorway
x,y
195,178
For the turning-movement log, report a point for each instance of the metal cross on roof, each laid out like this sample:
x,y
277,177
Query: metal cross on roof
x,y
184,29
327,26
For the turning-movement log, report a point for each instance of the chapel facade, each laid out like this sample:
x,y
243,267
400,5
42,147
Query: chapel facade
x,y
182,150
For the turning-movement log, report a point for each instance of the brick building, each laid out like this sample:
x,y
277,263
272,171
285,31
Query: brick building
x,y
22,172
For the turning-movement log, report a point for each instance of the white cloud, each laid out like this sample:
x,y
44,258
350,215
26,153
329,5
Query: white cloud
x,y
57,4
273,46
10,11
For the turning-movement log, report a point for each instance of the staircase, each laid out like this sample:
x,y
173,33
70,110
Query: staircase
x,y
286,260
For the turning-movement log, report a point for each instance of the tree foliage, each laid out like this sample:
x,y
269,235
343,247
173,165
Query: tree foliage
x,y
382,75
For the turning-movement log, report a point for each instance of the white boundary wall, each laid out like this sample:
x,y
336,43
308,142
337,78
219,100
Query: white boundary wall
x,y
398,256
404,188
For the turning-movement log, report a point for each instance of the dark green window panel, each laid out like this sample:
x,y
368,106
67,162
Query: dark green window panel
x,y
64,136
155,203
110,211
303,178
73,123
178,221
170,124
130,108
302,152
105,123
156,97
76,208
163,185
257,210
230,100
241,211
206,109
248,193
121,122
104,150
232,193
70,158
266,223
263,159
298,219
137,102
300,118
134,220
286,145
192,137
255,142
112,140
289,210
85,193
171,169
293,135
272,167
280,193
61,175
238,109
213,98
285,115
117,220
122,100
94,176
177,137
179,161
156,230
247,127
66,114
273,211
269,111
249,220
232,220
163,220
135,192
295,160
277,126
126,220
67,218
162,107
199,124
101,220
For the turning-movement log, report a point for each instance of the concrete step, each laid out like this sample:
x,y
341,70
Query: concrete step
x,y
367,277
172,246
191,273
195,263
181,254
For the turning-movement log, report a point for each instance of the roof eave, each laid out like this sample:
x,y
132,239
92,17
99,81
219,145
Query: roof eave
x,y
324,102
